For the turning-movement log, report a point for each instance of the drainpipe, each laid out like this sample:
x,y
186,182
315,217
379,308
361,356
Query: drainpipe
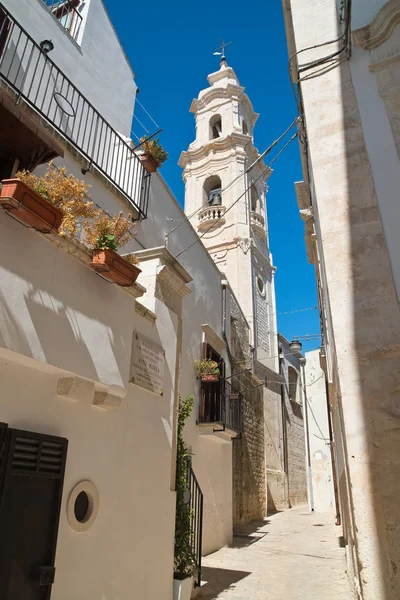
x,y
333,458
284,429
309,470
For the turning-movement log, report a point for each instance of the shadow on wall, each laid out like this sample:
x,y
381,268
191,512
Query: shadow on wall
x,y
366,324
218,581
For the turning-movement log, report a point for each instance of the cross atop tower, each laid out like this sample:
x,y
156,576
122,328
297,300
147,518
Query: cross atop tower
x,y
220,51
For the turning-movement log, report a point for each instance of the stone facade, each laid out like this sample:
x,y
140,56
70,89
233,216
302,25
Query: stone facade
x,y
249,493
351,166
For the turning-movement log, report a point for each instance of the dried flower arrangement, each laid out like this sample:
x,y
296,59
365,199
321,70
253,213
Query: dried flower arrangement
x,y
66,192
104,232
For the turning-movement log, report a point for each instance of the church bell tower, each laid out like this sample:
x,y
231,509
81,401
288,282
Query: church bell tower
x,y
225,200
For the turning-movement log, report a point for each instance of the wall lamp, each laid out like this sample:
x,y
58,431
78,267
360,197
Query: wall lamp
x,y
46,46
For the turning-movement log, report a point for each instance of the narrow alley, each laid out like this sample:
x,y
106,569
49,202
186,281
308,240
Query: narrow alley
x,y
293,555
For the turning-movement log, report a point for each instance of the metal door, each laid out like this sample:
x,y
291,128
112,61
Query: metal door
x,y
32,470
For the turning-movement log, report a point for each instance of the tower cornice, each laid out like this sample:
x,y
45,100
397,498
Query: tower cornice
x,y
230,92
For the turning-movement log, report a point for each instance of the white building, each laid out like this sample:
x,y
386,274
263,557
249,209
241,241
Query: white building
x,y
345,63
70,342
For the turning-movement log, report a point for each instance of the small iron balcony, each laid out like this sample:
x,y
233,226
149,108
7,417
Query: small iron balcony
x,y
220,406
28,74
67,14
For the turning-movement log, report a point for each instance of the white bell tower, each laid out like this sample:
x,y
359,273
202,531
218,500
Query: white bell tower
x,y
226,201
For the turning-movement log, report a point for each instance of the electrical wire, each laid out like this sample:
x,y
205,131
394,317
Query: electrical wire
x,y
147,113
233,181
241,195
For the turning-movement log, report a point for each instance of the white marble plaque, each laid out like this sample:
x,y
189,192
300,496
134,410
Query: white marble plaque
x,y
147,365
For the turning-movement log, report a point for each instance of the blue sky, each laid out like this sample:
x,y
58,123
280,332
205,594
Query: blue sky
x,y
170,46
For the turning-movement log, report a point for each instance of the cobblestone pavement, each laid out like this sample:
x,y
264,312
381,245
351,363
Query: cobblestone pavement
x,y
293,555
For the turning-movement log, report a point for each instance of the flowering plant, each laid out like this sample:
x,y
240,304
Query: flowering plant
x,y
65,191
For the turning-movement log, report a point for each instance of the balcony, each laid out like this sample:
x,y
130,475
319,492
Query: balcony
x,y
211,217
67,14
257,222
28,76
220,409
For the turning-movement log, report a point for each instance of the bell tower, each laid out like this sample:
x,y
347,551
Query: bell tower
x,y
225,200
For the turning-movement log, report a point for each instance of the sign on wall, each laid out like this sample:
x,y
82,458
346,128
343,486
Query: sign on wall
x,y
147,365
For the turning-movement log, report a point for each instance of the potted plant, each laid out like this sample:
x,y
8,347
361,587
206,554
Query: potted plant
x,y
184,559
207,370
104,235
46,203
153,154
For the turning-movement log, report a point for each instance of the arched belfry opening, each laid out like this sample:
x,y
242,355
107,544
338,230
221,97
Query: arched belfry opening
x,y
254,198
215,127
213,191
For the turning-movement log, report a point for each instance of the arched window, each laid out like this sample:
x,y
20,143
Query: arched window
x,y
293,384
254,198
212,191
245,129
215,127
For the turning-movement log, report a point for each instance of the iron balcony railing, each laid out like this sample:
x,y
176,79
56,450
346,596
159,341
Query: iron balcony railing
x,y
37,80
68,15
196,516
221,404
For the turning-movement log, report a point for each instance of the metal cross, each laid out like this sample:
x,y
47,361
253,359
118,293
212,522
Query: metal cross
x,y
220,51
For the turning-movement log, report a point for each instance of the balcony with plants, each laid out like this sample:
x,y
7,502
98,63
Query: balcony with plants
x,y
220,409
43,112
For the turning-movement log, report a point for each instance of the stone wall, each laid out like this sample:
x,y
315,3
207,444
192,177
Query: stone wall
x,y
249,493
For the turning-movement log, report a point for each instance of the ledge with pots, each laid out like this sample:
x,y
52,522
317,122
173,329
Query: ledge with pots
x,y
210,217
32,210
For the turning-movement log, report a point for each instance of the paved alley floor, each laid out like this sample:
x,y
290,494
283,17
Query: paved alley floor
x,y
293,555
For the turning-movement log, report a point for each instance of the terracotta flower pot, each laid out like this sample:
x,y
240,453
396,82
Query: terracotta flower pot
x,y
30,208
210,377
148,162
114,268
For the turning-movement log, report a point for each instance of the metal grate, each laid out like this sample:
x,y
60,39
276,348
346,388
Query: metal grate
x,y
38,81
196,515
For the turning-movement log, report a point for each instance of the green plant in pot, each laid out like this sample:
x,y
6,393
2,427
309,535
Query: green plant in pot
x,y
184,559
207,370
153,154
105,235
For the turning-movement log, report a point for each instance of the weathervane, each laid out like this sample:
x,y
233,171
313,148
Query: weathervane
x,y
220,51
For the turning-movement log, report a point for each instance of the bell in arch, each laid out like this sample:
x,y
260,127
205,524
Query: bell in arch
x,y
215,198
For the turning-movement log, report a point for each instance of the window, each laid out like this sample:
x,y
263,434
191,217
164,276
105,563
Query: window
x,y
212,191
67,12
83,506
293,384
260,285
254,198
245,129
211,409
215,127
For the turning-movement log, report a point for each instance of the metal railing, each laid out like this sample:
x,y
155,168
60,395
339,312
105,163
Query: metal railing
x,y
196,516
221,404
40,83
65,11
